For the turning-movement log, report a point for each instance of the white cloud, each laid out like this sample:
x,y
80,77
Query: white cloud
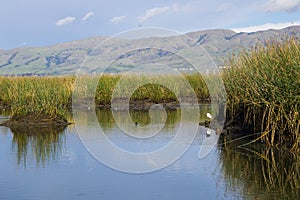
x,y
65,21
264,27
282,5
161,10
153,12
117,19
88,15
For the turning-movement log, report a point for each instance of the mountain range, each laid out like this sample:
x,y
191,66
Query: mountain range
x,y
124,54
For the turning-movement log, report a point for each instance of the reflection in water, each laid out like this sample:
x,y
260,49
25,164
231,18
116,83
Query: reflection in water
x,y
230,171
106,120
258,172
37,144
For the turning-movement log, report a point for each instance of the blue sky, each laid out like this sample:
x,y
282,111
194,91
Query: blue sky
x,y
43,23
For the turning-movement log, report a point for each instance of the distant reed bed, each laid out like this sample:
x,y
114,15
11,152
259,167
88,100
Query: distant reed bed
x,y
53,95
151,91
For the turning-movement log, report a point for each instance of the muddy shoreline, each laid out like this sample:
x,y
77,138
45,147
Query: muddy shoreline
x,y
35,120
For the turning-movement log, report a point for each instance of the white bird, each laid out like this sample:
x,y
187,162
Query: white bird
x,y
208,115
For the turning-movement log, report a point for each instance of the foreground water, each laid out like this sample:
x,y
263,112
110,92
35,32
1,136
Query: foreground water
x,y
54,164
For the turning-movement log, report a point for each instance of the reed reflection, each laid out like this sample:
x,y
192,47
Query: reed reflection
x,y
107,121
258,172
142,118
38,146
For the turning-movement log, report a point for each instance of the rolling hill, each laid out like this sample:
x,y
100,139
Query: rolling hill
x,y
124,54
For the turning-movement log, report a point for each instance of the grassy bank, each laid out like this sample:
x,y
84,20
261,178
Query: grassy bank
x,y
263,92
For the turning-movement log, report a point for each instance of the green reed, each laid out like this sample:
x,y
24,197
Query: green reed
x,y
53,95
263,87
41,95
152,91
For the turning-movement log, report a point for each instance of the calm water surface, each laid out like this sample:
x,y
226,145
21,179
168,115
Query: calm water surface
x,y
53,164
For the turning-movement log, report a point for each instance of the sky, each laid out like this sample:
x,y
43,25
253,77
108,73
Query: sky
x,y
43,23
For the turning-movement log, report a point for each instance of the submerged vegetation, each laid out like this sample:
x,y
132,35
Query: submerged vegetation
x,y
263,92
262,85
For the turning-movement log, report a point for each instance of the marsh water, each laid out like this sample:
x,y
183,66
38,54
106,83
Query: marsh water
x,y
47,163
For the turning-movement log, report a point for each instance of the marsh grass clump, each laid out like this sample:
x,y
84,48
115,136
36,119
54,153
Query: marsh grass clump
x,y
105,88
263,91
38,96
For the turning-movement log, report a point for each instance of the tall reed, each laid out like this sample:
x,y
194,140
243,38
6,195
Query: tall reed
x,y
41,95
152,91
53,95
263,90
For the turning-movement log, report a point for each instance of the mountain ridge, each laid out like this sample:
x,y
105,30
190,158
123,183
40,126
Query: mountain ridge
x,y
66,58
